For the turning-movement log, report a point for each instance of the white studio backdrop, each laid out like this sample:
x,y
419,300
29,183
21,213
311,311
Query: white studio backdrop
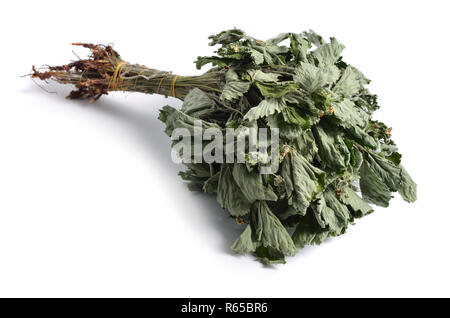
x,y
91,204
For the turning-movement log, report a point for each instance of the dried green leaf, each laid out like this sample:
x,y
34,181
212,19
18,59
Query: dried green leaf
x,y
270,232
266,108
229,195
313,78
244,244
234,86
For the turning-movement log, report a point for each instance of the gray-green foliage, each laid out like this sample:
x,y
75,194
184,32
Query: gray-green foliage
x,y
330,147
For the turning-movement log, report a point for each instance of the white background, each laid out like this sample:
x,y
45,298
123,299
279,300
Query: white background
x,y
91,204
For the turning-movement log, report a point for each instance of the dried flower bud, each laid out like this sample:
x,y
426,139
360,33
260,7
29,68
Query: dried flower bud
x,y
286,150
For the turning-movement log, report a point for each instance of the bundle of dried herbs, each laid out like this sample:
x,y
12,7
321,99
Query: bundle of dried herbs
x,y
330,148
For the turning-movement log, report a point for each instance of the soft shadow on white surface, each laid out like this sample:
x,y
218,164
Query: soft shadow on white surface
x,y
147,129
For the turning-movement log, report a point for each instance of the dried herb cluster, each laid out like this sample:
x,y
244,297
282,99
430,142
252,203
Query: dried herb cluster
x,y
330,149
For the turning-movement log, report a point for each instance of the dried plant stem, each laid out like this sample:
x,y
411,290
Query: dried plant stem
x,y
104,71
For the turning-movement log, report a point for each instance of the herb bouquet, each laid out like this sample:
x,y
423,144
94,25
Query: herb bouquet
x,y
329,147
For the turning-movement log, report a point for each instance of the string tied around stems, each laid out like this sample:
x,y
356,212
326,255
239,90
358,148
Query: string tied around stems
x,y
173,85
115,79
